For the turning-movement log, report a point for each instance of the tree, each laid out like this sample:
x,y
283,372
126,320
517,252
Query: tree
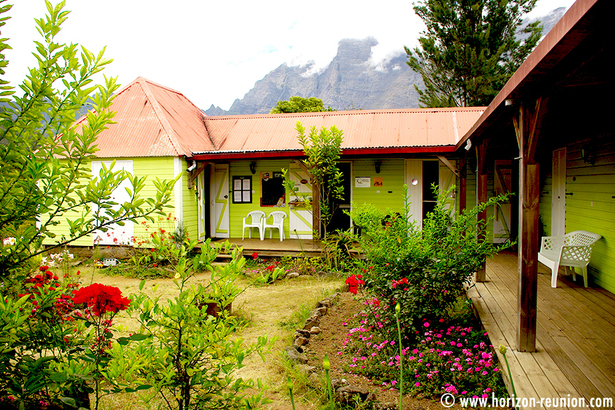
x,y
470,49
45,177
300,104
323,149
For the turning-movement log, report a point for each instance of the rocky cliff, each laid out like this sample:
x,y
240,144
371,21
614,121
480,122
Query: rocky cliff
x,y
351,81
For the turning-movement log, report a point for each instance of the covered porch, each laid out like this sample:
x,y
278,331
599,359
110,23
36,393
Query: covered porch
x,y
574,356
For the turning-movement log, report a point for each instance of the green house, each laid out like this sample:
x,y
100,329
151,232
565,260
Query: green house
x,y
232,165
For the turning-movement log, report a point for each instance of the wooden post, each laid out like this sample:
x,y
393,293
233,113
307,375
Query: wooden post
x,y
463,183
527,127
316,225
481,196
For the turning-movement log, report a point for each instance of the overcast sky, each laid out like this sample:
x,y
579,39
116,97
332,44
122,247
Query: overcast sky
x,y
214,51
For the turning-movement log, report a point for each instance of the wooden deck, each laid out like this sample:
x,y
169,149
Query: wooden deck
x,y
575,355
275,247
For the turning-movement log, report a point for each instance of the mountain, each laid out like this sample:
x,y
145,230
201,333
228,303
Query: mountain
x,y
350,81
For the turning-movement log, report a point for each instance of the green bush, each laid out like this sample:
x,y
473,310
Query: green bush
x,y
424,270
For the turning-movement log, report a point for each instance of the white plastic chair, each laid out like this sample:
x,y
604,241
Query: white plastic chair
x,y
278,222
257,219
572,250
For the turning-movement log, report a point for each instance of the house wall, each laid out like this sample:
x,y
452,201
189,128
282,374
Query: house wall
x,y
161,167
239,210
388,197
590,203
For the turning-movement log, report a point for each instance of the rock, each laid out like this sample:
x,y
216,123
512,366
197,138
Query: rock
x,y
337,383
324,303
312,321
315,379
295,355
347,394
293,275
301,341
321,311
302,332
307,369
315,330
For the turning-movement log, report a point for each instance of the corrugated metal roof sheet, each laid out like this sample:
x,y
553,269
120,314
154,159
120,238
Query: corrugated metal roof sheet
x,y
153,120
362,129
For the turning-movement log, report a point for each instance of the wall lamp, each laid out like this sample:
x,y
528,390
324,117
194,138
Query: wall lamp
x,y
588,153
253,167
377,166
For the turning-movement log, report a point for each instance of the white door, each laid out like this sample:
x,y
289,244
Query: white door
x,y
419,177
201,205
414,182
503,212
300,217
447,179
219,205
116,234
558,204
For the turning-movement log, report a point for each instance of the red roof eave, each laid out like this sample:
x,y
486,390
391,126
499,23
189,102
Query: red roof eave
x,y
208,156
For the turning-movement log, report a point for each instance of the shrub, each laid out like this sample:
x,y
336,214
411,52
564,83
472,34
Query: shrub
x,y
424,270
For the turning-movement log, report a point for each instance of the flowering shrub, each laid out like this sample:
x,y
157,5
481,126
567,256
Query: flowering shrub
x,y
422,269
455,359
353,282
52,349
101,299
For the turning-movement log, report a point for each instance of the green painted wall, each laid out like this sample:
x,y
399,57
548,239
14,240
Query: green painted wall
x,y
389,196
161,167
239,211
590,204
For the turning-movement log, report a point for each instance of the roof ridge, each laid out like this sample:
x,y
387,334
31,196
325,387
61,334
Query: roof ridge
x,y
347,112
171,135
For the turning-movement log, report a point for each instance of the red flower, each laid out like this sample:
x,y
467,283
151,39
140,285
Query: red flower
x,y
101,298
255,255
353,283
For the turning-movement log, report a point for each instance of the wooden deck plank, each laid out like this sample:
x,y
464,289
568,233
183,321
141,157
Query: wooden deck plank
x,y
575,330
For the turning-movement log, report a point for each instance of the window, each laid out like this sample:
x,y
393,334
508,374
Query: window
x,y
242,190
272,189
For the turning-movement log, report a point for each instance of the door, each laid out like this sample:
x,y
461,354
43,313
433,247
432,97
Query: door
x,y
420,177
341,221
503,212
201,205
558,204
300,216
219,205
414,182
116,234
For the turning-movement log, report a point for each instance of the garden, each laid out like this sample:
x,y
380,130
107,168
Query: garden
x,y
171,327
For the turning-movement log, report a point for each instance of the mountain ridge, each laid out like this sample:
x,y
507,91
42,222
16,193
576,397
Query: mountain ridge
x,y
350,81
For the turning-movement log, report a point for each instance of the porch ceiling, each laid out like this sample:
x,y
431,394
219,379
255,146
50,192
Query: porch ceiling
x,y
571,67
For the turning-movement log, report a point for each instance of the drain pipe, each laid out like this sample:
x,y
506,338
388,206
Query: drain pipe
x,y
192,167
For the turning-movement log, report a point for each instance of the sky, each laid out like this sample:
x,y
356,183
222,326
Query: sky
x,y
214,51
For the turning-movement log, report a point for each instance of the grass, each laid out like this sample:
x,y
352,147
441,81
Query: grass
x,y
274,310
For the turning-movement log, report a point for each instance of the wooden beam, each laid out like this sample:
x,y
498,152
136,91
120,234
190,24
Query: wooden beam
x,y
481,196
527,129
449,165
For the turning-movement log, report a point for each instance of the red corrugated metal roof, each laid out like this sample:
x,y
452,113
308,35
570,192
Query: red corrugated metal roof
x,y
153,120
363,129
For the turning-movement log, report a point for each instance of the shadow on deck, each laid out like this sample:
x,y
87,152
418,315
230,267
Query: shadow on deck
x,y
575,355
